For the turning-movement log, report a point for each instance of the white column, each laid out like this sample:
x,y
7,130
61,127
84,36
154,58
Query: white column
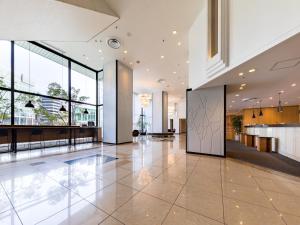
x,y
160,112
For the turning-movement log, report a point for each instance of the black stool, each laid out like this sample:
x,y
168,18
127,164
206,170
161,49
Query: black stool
x,y
4,136
37,132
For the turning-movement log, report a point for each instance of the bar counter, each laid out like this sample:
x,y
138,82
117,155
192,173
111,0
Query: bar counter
x,y
287,137
21,134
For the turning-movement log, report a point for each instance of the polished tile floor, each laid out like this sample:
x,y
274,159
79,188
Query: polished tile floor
x,y
150,183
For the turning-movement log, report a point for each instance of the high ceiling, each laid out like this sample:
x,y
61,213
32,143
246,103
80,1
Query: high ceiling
x,y
276,70
145,29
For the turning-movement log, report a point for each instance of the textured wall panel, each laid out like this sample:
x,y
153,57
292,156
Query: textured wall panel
x,y
205,111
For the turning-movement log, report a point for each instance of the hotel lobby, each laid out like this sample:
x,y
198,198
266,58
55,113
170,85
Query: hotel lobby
x,y
149,112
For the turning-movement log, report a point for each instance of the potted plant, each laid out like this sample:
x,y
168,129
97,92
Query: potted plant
x,y
237,121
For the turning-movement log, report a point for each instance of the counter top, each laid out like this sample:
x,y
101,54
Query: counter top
x,y
274,125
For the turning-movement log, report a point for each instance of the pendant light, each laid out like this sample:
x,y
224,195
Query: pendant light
x,y
62,109
29,103
260,110
86,111
279,107
253,114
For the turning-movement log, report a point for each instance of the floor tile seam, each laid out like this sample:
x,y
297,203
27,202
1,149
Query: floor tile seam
x,y
242,185
77,202
222,193
274,207
200,214
182,187
113,218
12,205
284,193
270,171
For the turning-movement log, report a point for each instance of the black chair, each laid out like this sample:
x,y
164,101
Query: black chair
x,y
62,136
37,133
5,138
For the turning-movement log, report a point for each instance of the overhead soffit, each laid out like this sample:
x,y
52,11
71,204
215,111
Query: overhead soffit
x,y
50,20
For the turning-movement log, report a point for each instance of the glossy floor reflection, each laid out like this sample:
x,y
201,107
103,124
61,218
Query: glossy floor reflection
x,y
150,182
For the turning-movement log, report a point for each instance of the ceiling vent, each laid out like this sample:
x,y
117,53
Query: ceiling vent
x,y
113,43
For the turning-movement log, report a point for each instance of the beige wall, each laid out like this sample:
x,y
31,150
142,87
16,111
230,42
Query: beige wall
x,y
290,114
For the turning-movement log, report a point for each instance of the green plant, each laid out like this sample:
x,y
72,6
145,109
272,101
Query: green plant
x,y
237,121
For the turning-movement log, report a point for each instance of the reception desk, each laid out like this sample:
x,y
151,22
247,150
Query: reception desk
x,y
21,134
287,137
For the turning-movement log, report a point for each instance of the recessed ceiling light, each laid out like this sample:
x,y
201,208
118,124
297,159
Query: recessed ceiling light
x,y
100,50
237,95
147,70
271,98
174,72
241,88
294,85
131,63
174,32
187,61
162,57
252,70
282,91
230,106
125,52
182,83
241,74
179,43
286,103
243,85
233,101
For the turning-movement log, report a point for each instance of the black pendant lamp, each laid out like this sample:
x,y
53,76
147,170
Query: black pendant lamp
x,y
279,107
86,111
260,110
253,115
62,109
29,103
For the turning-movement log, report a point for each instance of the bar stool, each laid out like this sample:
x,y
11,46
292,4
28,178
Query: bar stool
x,y
62,136
36,133
5,137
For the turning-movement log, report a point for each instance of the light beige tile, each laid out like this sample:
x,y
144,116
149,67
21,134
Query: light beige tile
x,y
206,183
181,216
81,213
285,203
291,220
237,177
276,185
137,181
112,197
241,213
111,221
248,194
9,217
202,202
164,189
143,209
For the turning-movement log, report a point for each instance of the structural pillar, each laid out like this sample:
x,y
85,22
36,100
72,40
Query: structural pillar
x,y
117,103
160,112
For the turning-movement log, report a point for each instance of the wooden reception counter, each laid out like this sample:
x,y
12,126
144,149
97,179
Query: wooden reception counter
x,y
287,137
21,134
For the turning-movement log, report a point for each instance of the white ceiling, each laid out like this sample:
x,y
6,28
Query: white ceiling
x,y
276,70
142,27
53,20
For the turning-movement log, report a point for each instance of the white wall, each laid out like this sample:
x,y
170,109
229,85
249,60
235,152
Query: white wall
x,y
180,113
254,26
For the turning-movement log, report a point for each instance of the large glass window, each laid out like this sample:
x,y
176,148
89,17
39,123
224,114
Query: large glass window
x,y
5,64
40,71
5,107
83,83
45,112
83,115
